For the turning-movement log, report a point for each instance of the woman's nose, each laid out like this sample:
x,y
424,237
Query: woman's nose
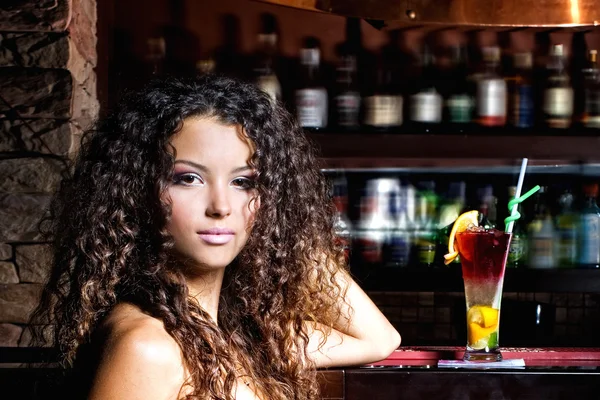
x,y
219,204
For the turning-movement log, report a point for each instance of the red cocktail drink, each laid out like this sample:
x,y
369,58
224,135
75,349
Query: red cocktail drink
x,y
483,256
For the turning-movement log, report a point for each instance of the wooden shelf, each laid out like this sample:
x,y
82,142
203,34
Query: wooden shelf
x,y
540,14
472,153
380,150
449,279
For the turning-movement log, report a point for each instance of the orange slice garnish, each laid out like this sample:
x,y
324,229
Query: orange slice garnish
x,y
462,223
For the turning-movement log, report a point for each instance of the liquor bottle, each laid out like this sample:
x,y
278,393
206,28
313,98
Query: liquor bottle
x,y
426,101
588,255
311,96
450,209
579,64
491,91
155,56
541,234
453,205
558,94
375,222
347,95
566,229
228,56
541,56
521,108
266,56
488,207
591,88
399,245
459,100
383,102
517,252
342,225
425,243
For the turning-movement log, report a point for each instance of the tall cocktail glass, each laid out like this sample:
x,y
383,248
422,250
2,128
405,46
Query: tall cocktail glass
x,y
483,256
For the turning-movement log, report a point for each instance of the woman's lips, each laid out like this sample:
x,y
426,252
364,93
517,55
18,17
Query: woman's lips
x,y
216,235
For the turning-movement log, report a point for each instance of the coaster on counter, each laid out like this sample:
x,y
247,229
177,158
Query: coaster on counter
x,y
513,363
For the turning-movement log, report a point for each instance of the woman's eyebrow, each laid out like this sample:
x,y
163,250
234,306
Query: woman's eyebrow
x,y
242,169
203,168
192,164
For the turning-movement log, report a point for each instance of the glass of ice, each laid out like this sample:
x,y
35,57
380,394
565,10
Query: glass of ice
x,y
483,254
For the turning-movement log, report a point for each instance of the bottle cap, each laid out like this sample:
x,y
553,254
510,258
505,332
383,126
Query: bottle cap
x,y
491,54
558,50
566,199
310,53
156,48
206,66
268,39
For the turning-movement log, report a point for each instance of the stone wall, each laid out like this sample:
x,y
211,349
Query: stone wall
x,y
47,98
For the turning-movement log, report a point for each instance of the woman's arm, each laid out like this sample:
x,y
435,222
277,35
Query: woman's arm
x,y
362,334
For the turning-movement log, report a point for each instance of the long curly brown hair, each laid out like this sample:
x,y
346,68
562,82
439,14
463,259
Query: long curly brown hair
x,y
110,244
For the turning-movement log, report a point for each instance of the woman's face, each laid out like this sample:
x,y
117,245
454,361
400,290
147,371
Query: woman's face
x,y
211,193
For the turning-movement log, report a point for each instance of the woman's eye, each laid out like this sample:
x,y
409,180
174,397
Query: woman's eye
x,y
187,179
243,183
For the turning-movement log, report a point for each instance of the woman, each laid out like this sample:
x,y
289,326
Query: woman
x,y
194,255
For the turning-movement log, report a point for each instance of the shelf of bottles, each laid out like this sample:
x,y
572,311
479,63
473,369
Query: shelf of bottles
x,y
411,138
462,89
396,222
457,90
540,95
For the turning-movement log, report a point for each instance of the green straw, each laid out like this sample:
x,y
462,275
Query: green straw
x,y
513,204
515,214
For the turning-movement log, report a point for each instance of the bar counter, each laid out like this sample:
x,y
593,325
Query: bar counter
x,y
409,373
413,373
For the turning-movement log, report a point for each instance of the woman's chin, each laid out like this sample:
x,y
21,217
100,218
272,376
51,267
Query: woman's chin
x,y
203,265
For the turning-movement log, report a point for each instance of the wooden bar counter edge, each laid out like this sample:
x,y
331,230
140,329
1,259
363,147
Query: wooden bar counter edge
x,y
412,373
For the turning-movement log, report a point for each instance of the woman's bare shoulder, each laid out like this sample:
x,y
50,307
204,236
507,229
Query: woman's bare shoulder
x,y
126,316
128,326
139,358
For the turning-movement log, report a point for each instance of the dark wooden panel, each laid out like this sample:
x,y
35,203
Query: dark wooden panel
x,y
477,385
449,279
31,384
388,150
46,383
332,384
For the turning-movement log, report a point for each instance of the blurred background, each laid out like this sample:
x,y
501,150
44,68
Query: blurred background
x,y
416,123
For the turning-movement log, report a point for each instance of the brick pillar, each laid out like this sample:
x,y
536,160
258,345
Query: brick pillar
x,y
47,98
